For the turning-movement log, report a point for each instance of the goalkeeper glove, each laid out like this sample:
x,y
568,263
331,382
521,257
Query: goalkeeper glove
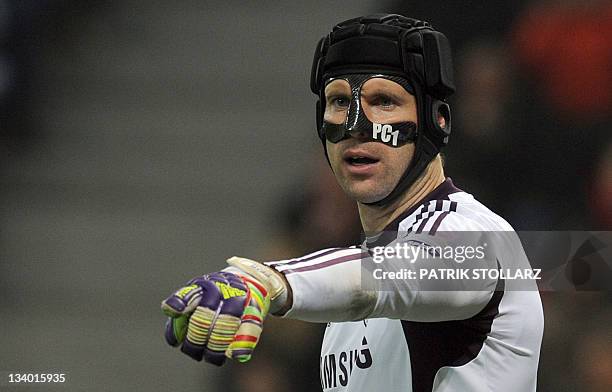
x,y
220,315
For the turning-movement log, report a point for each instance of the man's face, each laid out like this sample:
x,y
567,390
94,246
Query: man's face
x,y
366,170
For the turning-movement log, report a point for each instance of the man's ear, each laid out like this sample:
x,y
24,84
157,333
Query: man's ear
x,y
441,121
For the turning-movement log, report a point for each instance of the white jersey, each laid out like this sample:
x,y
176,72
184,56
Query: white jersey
x,y
408,339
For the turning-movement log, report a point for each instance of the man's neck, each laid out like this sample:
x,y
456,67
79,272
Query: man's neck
x,y
374,218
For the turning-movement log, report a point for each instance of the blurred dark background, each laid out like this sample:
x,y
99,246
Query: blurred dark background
x,y
142,143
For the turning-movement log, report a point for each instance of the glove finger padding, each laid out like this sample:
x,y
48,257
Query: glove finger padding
x,y
247,336
178,308
209,334
176,329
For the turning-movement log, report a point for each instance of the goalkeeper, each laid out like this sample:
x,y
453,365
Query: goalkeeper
x,y
382,82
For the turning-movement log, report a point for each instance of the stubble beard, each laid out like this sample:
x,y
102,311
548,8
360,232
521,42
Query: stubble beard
x,y
366,193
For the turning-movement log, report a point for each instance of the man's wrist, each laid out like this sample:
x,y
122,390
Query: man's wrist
x,y
281,296
286,304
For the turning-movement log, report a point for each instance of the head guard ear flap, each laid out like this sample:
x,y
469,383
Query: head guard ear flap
x,y
314,87
438,64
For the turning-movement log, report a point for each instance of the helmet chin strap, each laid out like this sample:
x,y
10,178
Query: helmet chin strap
x,y
414,171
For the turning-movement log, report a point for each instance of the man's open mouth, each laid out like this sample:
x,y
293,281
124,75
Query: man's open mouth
x,y
357,160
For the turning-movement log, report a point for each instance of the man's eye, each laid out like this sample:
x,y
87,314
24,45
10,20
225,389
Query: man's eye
x,y
339,101
384,101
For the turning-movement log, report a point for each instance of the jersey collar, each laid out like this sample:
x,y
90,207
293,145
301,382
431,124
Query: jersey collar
x,y
389,234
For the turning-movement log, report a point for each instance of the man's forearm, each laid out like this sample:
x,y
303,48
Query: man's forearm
x,y
326,286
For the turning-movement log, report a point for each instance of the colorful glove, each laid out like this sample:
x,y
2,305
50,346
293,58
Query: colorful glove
x,y
220,315
216,316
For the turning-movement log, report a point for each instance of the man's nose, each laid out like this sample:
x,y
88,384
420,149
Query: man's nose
x,y
359,134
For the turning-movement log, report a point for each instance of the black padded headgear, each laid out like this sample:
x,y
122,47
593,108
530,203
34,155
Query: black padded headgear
x,y
393,45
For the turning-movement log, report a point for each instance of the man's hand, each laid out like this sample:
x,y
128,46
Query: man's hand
x,y
217,316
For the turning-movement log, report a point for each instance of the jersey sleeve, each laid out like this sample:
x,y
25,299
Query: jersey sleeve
x,y
326,285
338,284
